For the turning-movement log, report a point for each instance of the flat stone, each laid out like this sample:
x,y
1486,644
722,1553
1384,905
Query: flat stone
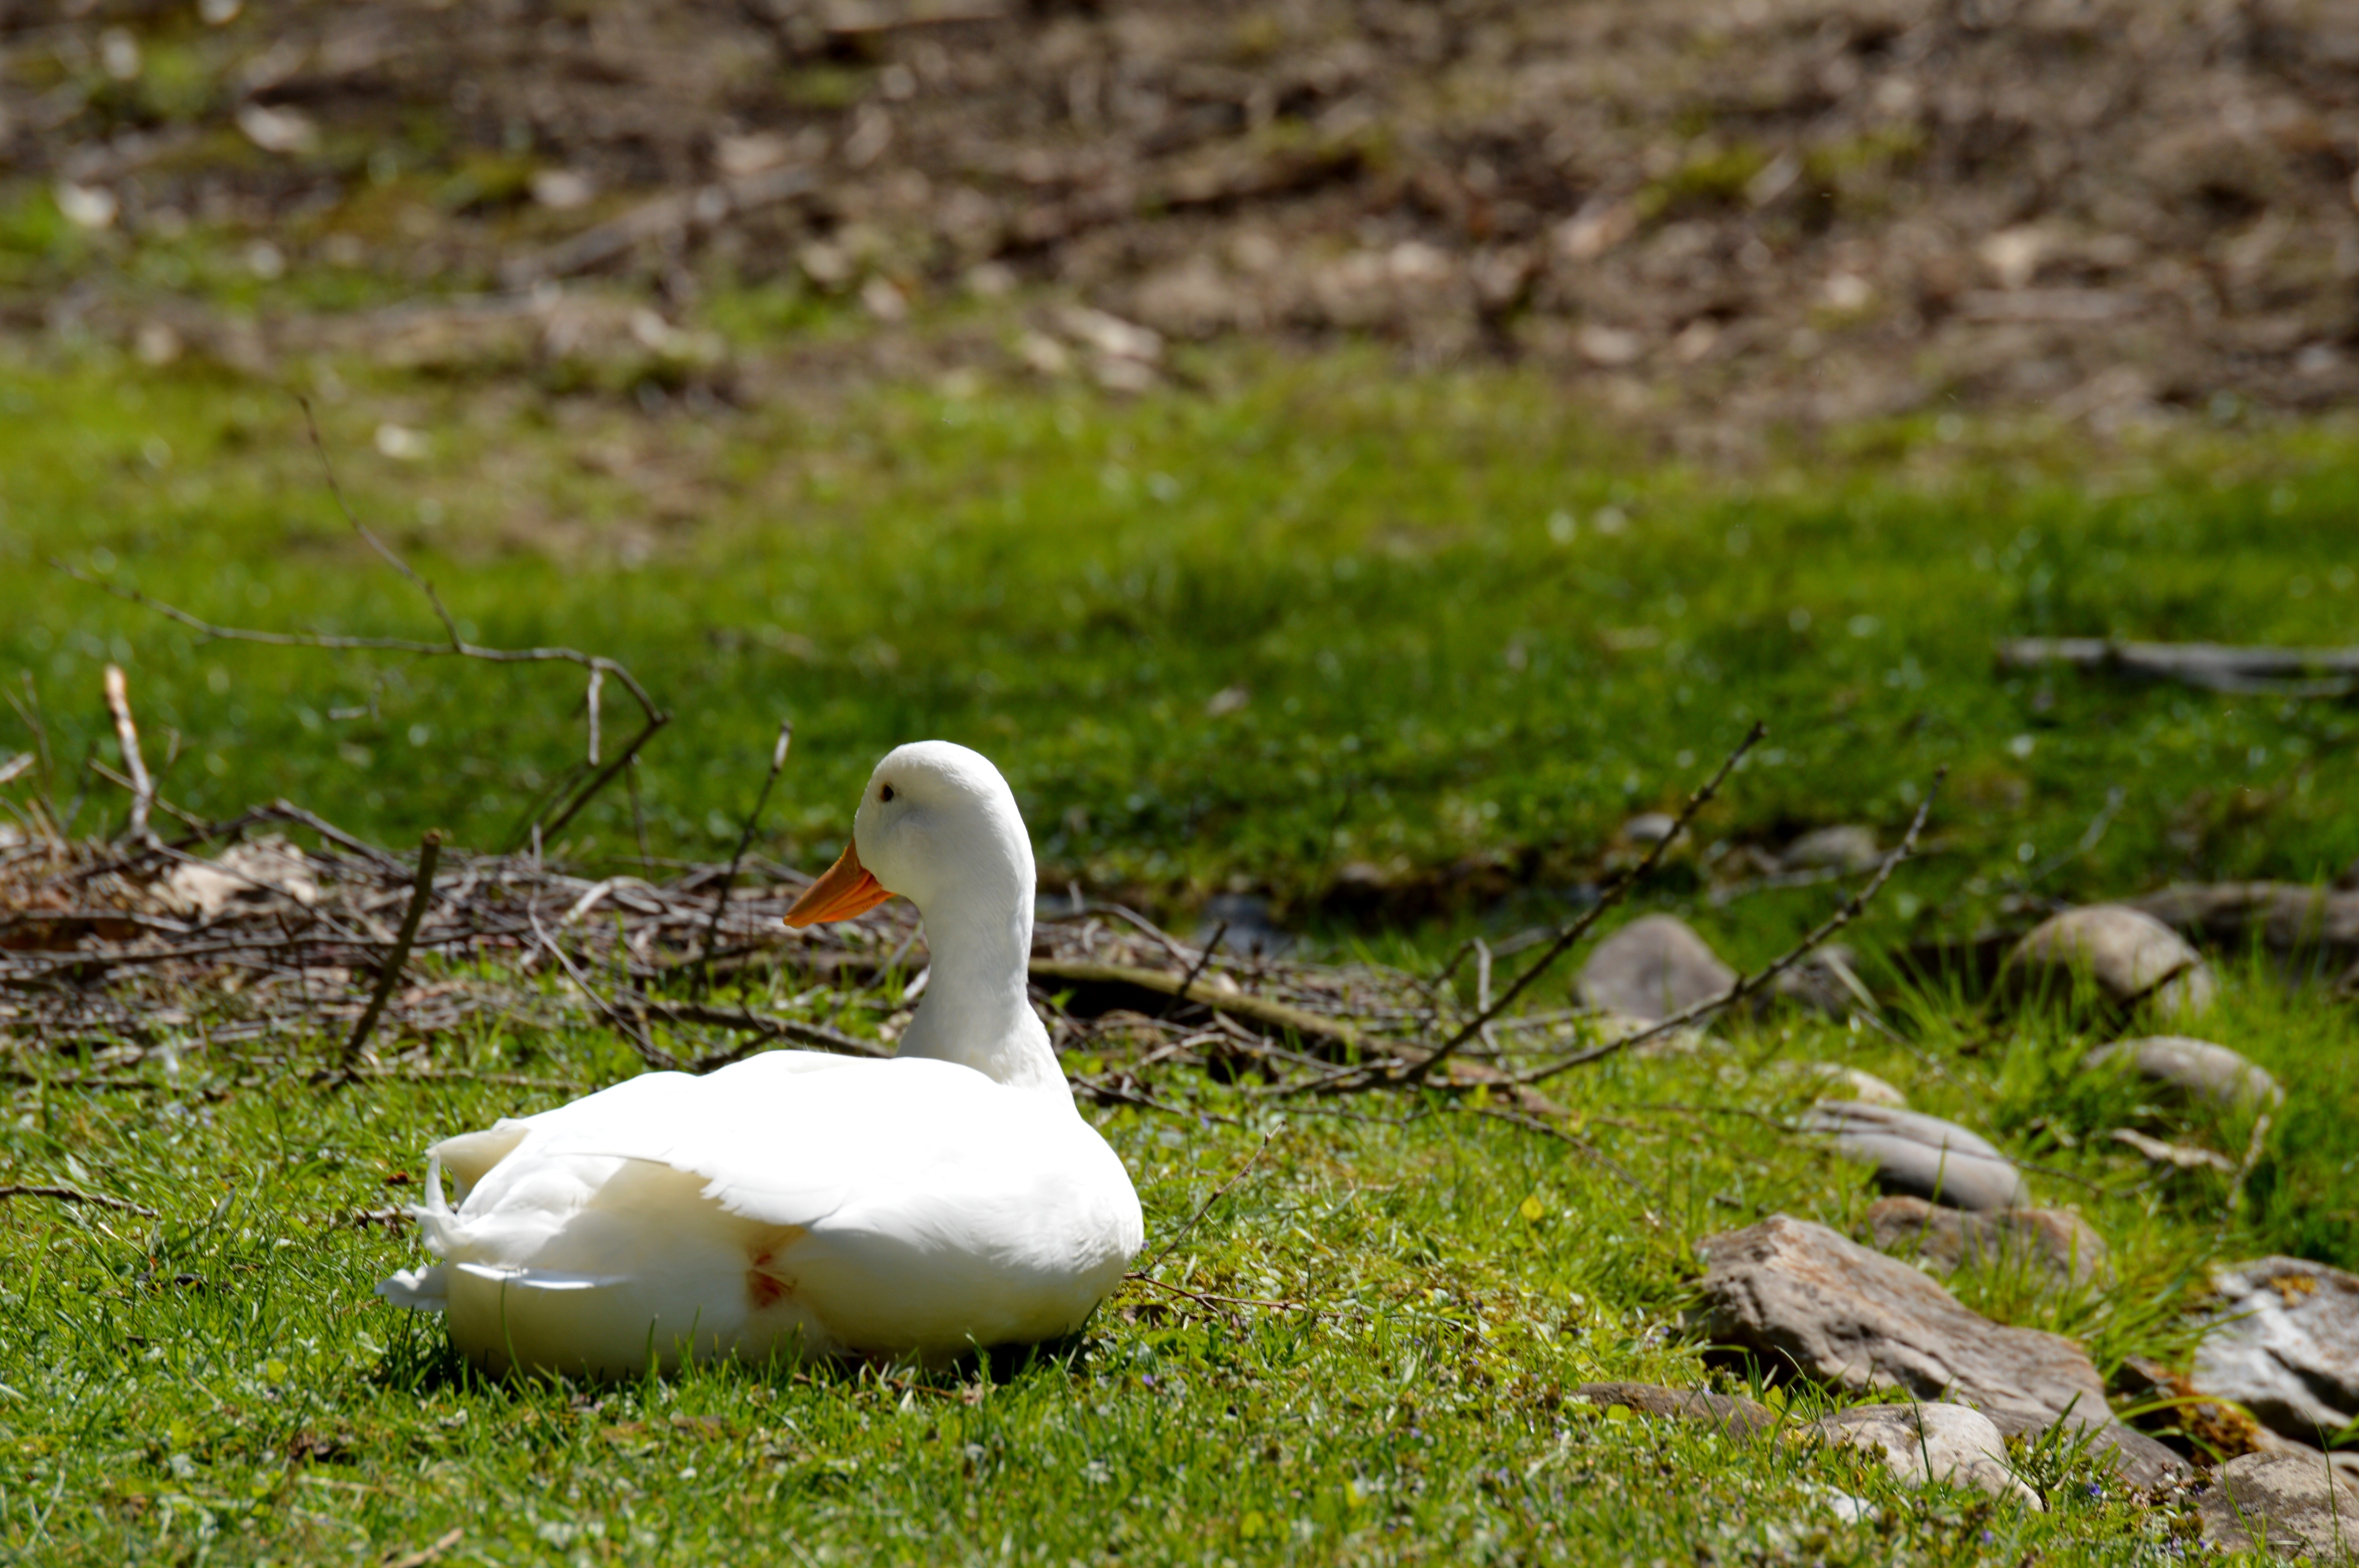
x,y
2054,1242
2196,1068
1921,1155
1798,1295
2130,957
2283,1504
2285,1345
2134,1456
1653,968
1732,1413
1848,848
1930,1441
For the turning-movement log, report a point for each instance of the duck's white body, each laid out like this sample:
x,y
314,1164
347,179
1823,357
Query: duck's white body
x,y
805,1203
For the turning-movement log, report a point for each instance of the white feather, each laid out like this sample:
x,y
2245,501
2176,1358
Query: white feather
x,y
798,1202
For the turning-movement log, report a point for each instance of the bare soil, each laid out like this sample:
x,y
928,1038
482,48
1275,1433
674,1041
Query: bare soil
x,y
1749,215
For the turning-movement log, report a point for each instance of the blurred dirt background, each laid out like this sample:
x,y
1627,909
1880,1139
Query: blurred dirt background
x,y
1736,215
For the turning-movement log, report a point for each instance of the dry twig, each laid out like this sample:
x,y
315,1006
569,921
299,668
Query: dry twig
x,y
1746,984
1612,894
429,850
126,735
73,1195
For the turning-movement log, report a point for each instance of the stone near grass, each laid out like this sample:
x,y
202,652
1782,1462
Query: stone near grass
x,y
2281,1503
2054,1243
1921,1155
2133,960
1732,1413
1930,1442
2285,1345
2134,1456
2195,1068
1798,1295
1653,968
1849,848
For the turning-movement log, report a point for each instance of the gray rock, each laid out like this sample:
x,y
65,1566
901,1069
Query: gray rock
x,y
2135,1457
2130,957
2196,1068
1653,968
1930,1441
1733,1414
1799,1296
2053,1242
2285,1345
1921,1155
2282,1504
1845,848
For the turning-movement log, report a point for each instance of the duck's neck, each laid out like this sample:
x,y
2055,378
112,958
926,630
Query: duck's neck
x,y
976,1011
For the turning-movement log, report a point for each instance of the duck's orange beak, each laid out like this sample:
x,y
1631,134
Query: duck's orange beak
x,y
846,889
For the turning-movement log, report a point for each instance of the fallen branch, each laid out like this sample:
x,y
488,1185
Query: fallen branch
x,y
2208,667
1270,1014
72,1194
429,850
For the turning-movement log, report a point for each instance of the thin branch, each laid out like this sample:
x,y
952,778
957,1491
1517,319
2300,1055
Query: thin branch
x,y
126,735
1209,1298
653,1054
597,680
539,655
1647,1199
422,894
1195,972
453,643
72,1194
1218,1192
1612,894
1747,985
745,838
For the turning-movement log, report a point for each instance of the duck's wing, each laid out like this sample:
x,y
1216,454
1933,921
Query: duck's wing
x,y
794,1153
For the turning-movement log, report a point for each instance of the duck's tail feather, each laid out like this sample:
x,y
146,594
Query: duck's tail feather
x,y
420,1290
427,1289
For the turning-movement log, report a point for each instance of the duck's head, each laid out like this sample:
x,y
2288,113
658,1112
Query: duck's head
x,y
936,821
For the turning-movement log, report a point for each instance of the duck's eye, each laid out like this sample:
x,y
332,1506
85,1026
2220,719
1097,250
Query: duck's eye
x,y
885,794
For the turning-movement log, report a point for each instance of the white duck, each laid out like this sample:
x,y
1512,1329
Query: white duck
x,y
799,1203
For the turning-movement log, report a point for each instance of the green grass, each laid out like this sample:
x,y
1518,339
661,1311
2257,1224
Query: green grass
x,y
217,1384
1477,633
1475,628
